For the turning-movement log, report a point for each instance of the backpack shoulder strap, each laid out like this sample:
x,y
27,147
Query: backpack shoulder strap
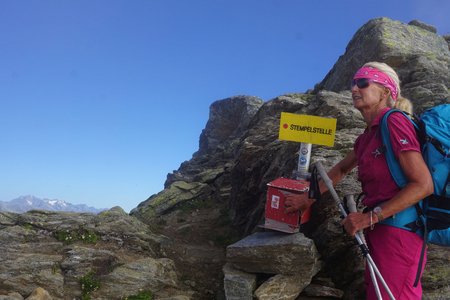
x,y
393,164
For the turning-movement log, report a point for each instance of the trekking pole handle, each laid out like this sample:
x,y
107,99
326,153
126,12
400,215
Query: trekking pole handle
x,y
351,205
350,202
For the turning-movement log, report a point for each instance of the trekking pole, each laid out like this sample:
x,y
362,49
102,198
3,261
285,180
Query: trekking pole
x,y
362,246
351,205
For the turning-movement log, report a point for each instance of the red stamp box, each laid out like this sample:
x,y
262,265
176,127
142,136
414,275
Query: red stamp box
x,y
275,216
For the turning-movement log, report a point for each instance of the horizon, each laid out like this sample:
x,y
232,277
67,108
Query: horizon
x,y
102,99
49,199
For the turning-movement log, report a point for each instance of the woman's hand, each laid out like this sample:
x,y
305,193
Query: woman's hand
x,y
297,202
357,221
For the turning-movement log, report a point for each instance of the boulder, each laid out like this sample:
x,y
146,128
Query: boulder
x,y
275,253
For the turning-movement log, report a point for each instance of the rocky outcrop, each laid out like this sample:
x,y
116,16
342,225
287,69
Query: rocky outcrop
x,y
69,255
193,209
231,173
200,233
420,56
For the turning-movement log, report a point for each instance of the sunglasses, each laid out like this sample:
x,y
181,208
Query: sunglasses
x,y
361,83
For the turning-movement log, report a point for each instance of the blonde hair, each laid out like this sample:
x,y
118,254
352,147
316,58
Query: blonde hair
x,y
401,102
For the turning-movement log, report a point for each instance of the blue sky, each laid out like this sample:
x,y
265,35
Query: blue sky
x,y
100,99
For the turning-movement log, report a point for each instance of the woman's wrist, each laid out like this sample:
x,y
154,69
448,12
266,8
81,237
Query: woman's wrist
x,y
371,220
378,211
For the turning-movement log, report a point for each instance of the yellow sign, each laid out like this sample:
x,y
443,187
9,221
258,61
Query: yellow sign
x,y
307,129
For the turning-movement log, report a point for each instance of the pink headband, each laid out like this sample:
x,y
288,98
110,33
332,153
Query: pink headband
x,y
379,77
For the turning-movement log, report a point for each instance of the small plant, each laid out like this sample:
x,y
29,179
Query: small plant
x,y
143,295
88,237
64,236
89,283
28,226
55,268
71,236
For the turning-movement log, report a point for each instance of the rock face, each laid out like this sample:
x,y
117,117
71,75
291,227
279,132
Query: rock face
x,y
198,238
70,255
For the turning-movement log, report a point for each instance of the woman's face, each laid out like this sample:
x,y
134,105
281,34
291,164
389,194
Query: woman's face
x,y
369,97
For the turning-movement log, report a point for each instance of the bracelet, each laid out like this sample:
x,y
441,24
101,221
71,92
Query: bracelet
x,y
371,221
379,212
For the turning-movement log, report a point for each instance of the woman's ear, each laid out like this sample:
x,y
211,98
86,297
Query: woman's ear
x,y
386,92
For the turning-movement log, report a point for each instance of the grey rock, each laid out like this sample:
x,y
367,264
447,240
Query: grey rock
x,y
11,296
275,253
238,285
143,274
286,287
315,290
39,294
45,255
25,271
228,120
447,38
423,25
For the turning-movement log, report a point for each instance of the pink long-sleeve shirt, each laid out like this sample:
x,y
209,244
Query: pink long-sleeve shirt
x,y
373,172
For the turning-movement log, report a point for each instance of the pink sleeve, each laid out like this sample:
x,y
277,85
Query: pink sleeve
x,y
402,133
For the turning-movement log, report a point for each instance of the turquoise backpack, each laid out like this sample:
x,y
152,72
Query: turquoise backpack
x,y
431,216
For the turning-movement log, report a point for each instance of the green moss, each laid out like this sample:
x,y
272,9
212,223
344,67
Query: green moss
x,y
143,295
89,283
28,226
148,213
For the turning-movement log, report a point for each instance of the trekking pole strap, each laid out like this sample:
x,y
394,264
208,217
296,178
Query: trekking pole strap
x,y
422,254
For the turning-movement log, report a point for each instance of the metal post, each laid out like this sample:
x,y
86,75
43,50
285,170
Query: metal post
x,y
304,159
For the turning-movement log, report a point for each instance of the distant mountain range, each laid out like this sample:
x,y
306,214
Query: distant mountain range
x,y
26,203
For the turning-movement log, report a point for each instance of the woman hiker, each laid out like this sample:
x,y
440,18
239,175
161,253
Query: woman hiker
x,y
396,252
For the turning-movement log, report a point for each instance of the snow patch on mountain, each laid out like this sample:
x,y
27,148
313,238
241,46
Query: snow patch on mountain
x,y
29,202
